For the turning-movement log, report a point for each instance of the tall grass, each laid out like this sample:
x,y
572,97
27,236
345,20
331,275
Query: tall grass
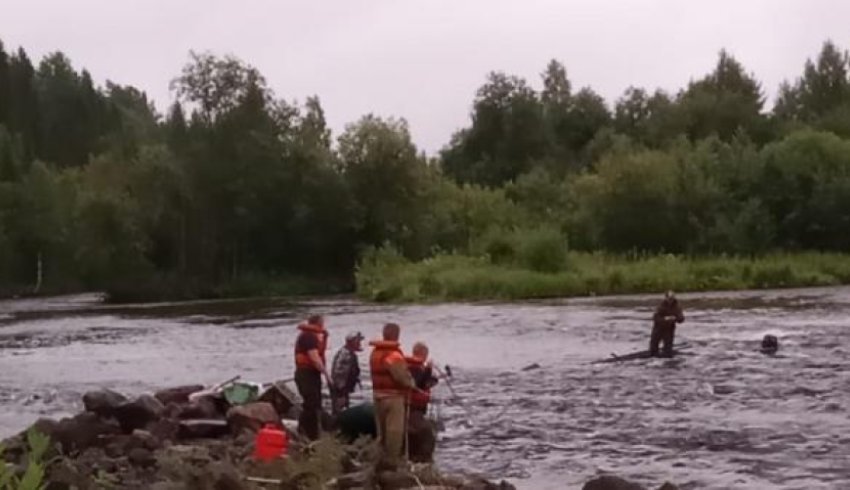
x,y
385,276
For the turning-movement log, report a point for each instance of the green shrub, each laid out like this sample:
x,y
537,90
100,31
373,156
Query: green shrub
x,y
33,478
459,277
543,249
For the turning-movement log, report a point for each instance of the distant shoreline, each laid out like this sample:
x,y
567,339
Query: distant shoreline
x,y
448,278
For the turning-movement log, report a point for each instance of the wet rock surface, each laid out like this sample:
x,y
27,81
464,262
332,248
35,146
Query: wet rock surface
x,y
97,452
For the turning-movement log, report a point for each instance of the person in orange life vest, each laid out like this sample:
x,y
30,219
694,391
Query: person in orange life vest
x,y
391,385
421,432
309,368
420,370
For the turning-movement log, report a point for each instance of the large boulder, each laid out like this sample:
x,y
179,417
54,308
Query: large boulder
x,y
103,402
480,483
609,482
141,457
201,429
138,413
79,432
178,394
397,480
205,407
284,400
668,486
164,429
252,416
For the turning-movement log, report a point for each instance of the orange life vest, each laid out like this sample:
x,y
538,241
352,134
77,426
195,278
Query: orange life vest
x,y
385,352
302,360
418,399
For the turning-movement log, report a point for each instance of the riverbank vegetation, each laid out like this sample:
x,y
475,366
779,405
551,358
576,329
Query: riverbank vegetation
x,y
549,191
467,278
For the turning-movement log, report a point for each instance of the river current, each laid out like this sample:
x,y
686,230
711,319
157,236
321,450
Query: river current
x,y
720,416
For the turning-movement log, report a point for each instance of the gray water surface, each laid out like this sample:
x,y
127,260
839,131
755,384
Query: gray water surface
x,y
722,417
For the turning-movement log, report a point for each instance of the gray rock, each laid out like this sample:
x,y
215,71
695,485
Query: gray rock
x,y
103,402
206,407
252,416
608,482
79,432
141,457
164,430
201,429
484,484
138,413
396,480
283,399
145,439
178,394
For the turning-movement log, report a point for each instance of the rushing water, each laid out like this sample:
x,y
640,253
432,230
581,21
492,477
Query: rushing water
x,y
722,417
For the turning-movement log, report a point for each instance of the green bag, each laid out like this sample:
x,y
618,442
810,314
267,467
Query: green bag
x,y
240,393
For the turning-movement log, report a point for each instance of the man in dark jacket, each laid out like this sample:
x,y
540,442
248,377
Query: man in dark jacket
x,y
345,373
310,349
664,321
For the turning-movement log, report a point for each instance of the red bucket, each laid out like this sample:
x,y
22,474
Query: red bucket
x,y
270,443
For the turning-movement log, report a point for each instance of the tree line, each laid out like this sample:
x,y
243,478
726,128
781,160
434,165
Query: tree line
x,y
236,185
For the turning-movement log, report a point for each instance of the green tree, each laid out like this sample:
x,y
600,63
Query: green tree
x,y
23,103
11,156
506,136
70,109
821,97
387,179
129,119
803,183
216,85
5,86
726,101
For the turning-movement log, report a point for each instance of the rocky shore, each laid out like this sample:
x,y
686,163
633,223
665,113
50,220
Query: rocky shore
x,y
168,441
176,439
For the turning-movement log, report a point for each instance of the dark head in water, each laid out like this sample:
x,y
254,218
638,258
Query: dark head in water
x,y
769,344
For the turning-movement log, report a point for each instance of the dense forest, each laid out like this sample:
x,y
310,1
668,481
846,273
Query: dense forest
x,y
236,190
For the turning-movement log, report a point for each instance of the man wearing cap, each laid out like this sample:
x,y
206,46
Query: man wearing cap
x,y
664,321
345,373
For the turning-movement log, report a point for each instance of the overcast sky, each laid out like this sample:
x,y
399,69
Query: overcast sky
x,y
423,60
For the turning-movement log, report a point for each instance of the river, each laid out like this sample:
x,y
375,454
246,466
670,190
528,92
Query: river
x,y
722,417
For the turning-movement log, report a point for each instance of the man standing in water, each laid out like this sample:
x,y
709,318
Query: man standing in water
x,y
309,368
664,321
391,385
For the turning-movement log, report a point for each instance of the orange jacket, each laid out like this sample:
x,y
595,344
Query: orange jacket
x,y
302,360
384,354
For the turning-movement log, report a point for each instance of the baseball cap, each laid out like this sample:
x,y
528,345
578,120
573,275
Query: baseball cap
x,y
354,336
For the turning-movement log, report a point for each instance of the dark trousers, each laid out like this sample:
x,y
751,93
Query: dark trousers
x,y
421,437
339,402
662,333
309,383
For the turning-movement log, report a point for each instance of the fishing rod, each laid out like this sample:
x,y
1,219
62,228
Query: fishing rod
x,y
447,378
